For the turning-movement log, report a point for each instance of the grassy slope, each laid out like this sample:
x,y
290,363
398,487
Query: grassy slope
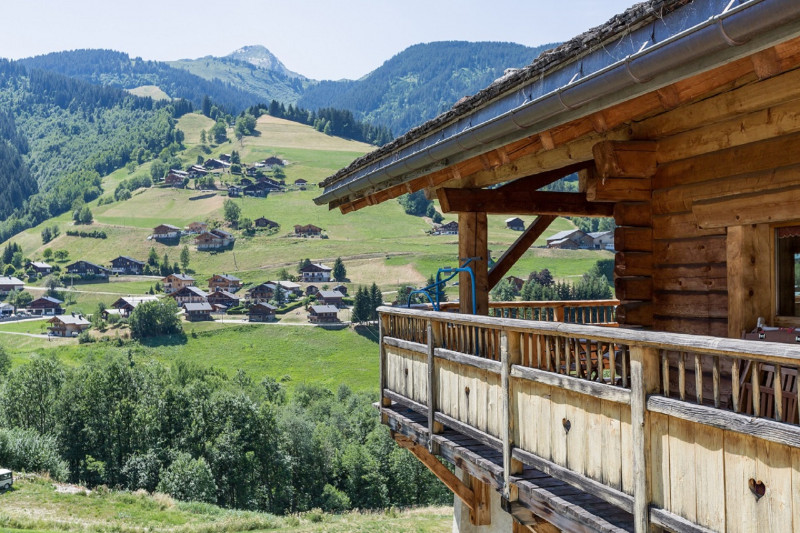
x,y
34,505
152,91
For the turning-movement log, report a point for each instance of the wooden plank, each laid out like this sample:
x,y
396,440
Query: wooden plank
x,y
683,485
645,379
516,250
673,522
774,469
582,386
480,436
692,251
763,207
715,327
741,509
633,239
659,460
633,264
540,432
480,513
694,305
406,345
704,277
762,428
576,437
464,493
635,312
531,202
626,443
748,265
710,477
469,360
625,159
558,416
633,214
611,444
633,287
796,489
472,243
383,370
618,190
680,226
593,449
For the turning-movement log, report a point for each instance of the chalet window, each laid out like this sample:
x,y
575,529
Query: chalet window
x,y
787,248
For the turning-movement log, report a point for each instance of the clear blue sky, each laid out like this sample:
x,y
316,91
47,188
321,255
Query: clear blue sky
x,y
321,39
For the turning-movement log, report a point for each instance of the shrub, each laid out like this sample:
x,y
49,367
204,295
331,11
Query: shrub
x,y
27,450
188,479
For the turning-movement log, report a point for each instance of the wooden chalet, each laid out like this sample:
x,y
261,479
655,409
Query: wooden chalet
x,y
10,283
602,240
322,314
195,311
67,325
176,178
515,282
215,239
341,288
449,228
263,222
683,121
216,164
224,281
333,298
308,230
6,309
127,265
234,191
126,304
46,305
273,161
311,290
189,294
85,269
570,239
39,267
166,232
197,227
316,272
220,297
261,312
225,158
263,292
175,282
515,223
197,171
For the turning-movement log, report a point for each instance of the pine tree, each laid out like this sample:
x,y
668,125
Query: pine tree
x,y
185,257
361,304
339,271
376,300
152,258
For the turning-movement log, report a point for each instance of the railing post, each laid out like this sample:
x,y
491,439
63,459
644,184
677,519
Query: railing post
x,y
509,354
382,327
645,378
433,426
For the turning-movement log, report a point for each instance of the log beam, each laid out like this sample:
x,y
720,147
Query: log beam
x,y
531,202
748,264
472,242
625,159
520,246
776,205
450,480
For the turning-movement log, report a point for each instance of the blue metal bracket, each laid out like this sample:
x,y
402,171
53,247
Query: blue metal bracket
x,y
441,282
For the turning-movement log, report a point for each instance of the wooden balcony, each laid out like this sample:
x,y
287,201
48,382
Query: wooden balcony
x,y
596,428
595,312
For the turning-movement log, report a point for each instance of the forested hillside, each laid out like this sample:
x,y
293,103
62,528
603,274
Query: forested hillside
x,y
64,134
107,67
421,81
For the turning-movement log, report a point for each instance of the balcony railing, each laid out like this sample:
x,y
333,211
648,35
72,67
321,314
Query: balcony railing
x,y
597,312
685,432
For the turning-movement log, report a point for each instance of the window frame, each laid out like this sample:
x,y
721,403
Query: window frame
x,y
776,319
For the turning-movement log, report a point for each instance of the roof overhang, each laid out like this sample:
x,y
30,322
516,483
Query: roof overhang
x,y
652,45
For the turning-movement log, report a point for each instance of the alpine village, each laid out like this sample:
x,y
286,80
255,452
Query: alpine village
x,y
234,298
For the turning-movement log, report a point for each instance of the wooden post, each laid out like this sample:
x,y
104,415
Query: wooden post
x,y
509,354
645,380
748,262
382,327
433,426
472,242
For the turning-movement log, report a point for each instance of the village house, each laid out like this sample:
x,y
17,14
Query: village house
x,y
263,222
340,288
256,190
269,182
515,223
215,164
67,325
190,294
85,269
333,298
234,191
309,230
244,182
226,158
10,283
215,239
39,267
273,161
6,310
301,182
263,292
321,314
311,290
46,305
571,239
176,178
175,282
221,298
261,312
197,227
315,272
195,311
166,232
602,240
224,281
127,265
450,228
126,304
515,282
197,171
289,287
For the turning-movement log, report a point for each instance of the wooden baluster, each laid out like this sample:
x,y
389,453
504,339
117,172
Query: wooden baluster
x,y
665,373
777,386
612,362
715,378
735,385
644,381
561,342
698,378
384,323
755,384
539,340
682,376
625,355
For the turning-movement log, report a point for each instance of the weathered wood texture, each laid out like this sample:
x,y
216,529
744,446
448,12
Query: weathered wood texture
x,y
472,242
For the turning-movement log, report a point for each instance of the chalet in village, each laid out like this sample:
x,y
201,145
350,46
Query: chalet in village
x,y
682,121
127,265
316,272
175,282
85,269
10,283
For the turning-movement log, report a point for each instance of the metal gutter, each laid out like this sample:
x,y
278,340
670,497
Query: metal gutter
x,y
721,36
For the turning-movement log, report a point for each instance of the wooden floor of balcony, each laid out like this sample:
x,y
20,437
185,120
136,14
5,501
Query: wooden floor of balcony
x,y
566,507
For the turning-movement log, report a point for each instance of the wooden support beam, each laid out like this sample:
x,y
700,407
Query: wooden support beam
x,y
645,380
481,513
527,522
516,250
618,189
464,493
776,205
472,242
625,159
503,202
748,263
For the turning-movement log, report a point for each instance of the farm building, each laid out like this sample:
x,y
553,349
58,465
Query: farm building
x,y
127,265
195,311
333,298
67,325
289,287
273,161
340,288
46,305
515,223
234,191
602,240
224,281
10,283
321,314
127,304
197,171
263,292
570,239
263,222
39,267
682,120
216,164
315,272
261,312
6,309
189,294
449,228
515,282
309,230
197,227
176,178
166,232
221,297
85,269
175,282
215,239
311,290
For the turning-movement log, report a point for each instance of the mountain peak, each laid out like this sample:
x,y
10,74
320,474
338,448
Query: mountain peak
x,y
262,58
